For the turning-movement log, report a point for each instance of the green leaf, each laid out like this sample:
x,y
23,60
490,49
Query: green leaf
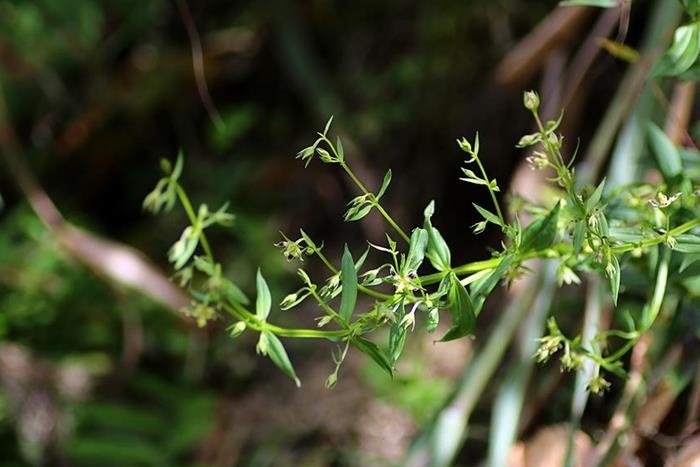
x,y
541,232
471,177
179,163
687,243
372,350
461,309
361,260
579,235
416,249
276,352
433,320
665,153
484,288
682,54
594,199
263,302
595,3
629,234
328,126
348,299
437,251
339,149
488,215
688,260
692,7
385,184
614,278
429,211
184,248
397,336
360,206
232,293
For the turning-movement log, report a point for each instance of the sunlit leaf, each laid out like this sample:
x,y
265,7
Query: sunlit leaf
x,y
263,302
682,54
541,232
373,351
461,310
278,355
348,299
385,184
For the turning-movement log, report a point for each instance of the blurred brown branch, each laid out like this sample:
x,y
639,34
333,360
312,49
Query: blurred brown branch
x,y
114,261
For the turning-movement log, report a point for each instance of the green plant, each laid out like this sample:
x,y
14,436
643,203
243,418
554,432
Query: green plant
x,y
585,229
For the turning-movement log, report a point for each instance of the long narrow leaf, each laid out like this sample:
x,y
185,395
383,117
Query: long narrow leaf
x,y
263,302
348,299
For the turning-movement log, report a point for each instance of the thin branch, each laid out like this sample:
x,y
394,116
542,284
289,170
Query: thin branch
x,y
114,261
198,64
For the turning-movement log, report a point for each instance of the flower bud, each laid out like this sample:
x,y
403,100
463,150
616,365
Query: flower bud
x,y
325,156
465,145
237,329
531,100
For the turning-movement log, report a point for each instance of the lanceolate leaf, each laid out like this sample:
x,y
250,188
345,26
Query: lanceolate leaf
x,y
397,336
541,232
665,153
372,350
579,235
348,299
484,288
232,293
328,126
687,243
461,309
688,260
438,252
263,302
276,352
385,184
594,199
682,54
416,249
614,278
488,215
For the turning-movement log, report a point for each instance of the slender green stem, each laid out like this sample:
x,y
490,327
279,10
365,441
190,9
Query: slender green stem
x,y
185,201
379,207
307,333
254,323
491,191
360,287
563,172
659,289
391,222
657,240
331,312
461,270
325,260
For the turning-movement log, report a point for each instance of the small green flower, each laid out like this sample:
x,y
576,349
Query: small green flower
x,y
571,360
549,345
291,249
598,385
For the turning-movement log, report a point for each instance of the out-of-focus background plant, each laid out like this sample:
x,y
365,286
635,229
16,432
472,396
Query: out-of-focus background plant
x,y
97,367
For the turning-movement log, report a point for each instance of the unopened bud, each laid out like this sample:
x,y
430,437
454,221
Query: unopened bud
x,y
531,100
